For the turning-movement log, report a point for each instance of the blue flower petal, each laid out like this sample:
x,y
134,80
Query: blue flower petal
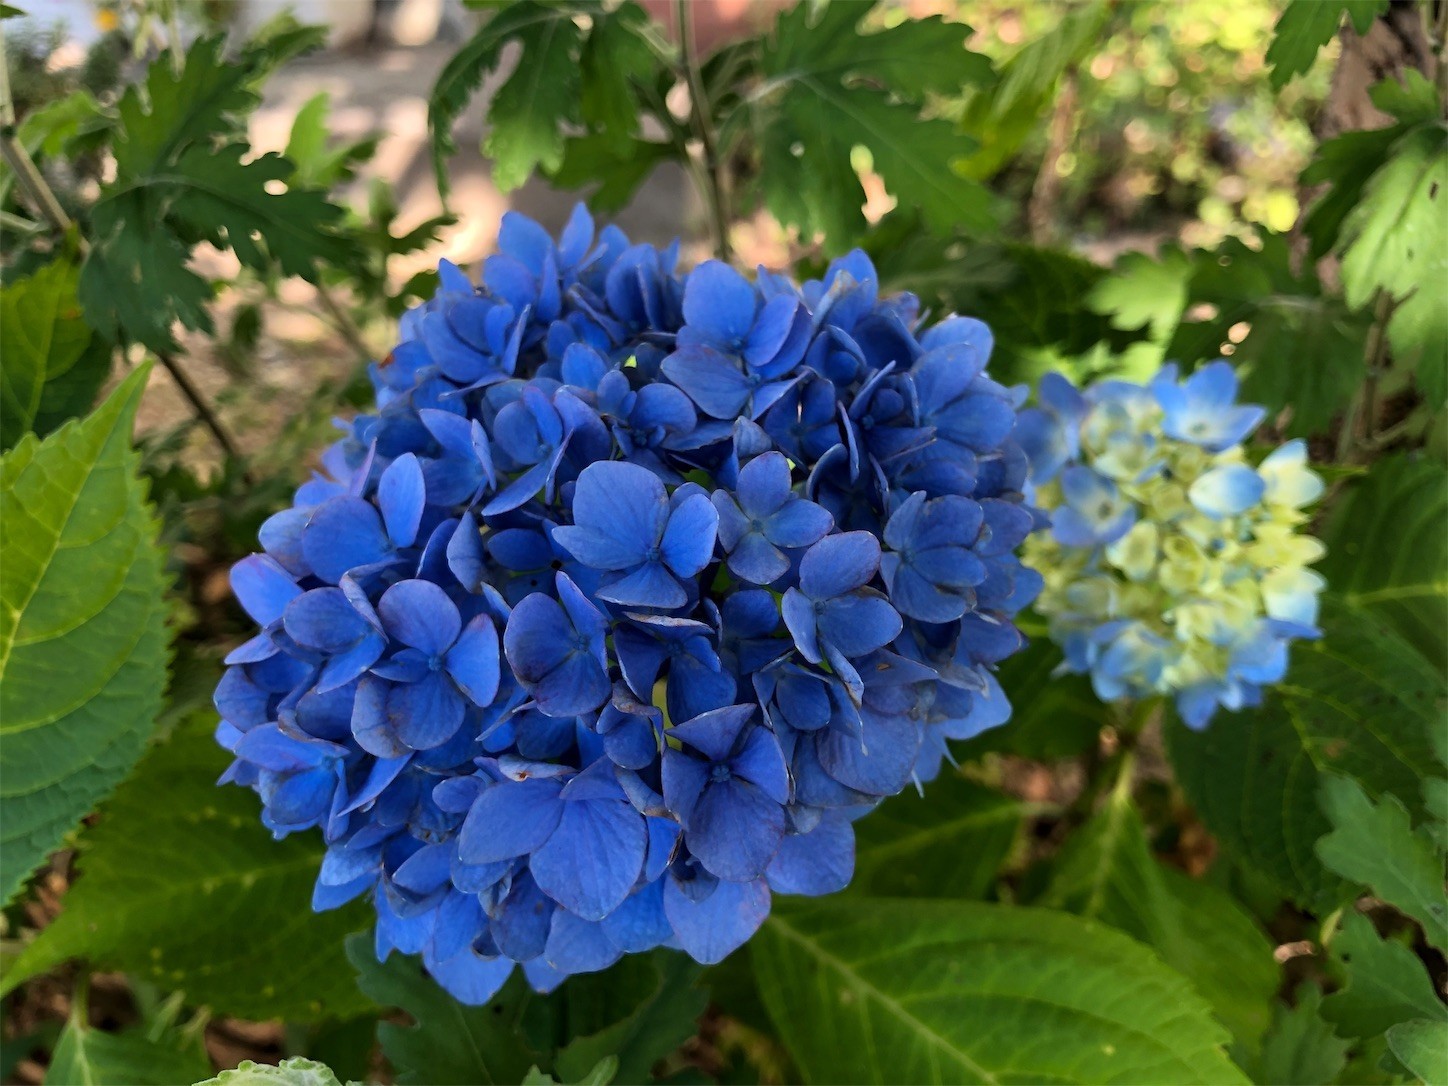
x,y
712,927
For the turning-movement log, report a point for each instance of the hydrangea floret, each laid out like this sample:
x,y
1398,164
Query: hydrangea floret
x,y
634,592
1172,565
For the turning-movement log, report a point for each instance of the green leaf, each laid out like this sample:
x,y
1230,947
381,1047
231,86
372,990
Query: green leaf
x,y
1386,983
1387,554
888,990
318,163
1001,120
92,1057
1396,241
531,109
1106,872
1345,164
1359,702
1303,349
83,638
53,367
449,1042
633,1014
1422,1046
296,1071
1300,1049
898,848
1143,293
616,167
602,1073
1305,26
1374,844
181,180
195,894
616,55
832,89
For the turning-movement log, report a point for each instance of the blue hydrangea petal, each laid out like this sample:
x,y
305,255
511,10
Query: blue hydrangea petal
x,y
838,564
401,495
819,862
713,927
1227,490
639,924
427,713
859,624
688,540
343,534
720,303
714,734
878,761
734,829
511,818
576,945
522,920
711,380
263,588
473,660
592,860
420,614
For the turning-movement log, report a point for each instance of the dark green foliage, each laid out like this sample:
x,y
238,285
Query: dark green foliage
x,y
54,365
1307,25
633,1014
181,180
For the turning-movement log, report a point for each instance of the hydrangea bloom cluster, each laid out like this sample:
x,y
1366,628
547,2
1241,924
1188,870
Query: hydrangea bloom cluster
x,y
634,592
1172,565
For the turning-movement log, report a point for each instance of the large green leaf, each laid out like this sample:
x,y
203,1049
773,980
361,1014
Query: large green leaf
x,y
83,638
832,89
1106,872
53,366
1387,553
1396,241
1359,702
1305,26
1374,844
890,990
898,849
190,891
1386,983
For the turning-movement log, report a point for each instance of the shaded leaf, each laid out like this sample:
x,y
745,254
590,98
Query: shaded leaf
x,y
1300,1049
1358,702
529,111
1305,26
92,1057
1396,241
1422,1046
1374,844
83,638
1106,872
317,162
899,848
195,894
1387,553
615,167
889,990
53,368
828,94
1386,983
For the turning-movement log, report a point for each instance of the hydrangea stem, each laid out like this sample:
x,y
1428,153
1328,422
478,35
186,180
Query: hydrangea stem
x,y
713,187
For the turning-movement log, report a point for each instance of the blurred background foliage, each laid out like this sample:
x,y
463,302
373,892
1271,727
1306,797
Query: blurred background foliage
x,y
1108,184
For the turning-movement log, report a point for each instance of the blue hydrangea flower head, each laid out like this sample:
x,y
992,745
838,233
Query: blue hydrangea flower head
x,y
634,592
1172,564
